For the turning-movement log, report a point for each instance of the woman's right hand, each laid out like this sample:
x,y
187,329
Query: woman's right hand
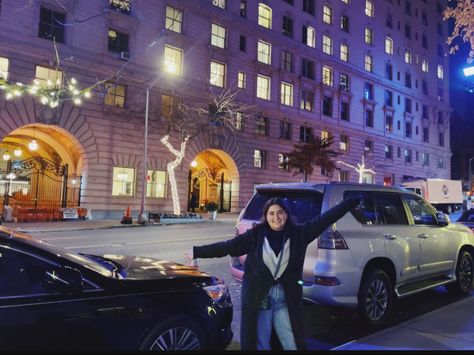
x,y
189,257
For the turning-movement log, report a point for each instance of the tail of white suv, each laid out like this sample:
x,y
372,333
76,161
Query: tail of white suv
x,y
396,245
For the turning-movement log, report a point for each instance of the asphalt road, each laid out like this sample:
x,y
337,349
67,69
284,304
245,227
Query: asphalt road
x,y
326,328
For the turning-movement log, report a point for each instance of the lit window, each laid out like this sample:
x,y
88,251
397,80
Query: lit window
x,y
327,44
264,16
440,71
241,80
286,97
345,1
123,181
115,95
174,19
264,52
368,63
259,158
48,76
123,6
307,100
369,35
424,65
217,75
283,160
344,52
369,8
324,134
309,36
407,56
327,14
156,183
263,87
169,106
239,121
388,45
327,76
4,62
218,34
173,60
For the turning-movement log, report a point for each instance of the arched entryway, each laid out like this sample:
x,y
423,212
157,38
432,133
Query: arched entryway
x,y
40,168
213,177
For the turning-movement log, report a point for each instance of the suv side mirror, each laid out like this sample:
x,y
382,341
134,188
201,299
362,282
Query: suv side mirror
x,y
443,219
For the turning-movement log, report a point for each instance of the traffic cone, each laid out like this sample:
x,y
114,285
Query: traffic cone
x,y
126,218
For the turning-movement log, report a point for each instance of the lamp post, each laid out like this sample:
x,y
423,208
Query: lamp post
x,y
142,217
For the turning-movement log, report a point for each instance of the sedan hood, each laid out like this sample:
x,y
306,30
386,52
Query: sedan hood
x,y
144,268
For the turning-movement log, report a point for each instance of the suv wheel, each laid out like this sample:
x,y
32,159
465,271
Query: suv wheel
x,y
375,298
464,275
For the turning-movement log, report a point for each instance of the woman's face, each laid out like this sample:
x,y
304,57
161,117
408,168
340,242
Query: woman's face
x,y
276,217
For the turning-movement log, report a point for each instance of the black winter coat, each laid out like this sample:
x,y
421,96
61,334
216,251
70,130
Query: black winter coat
x,y
258,279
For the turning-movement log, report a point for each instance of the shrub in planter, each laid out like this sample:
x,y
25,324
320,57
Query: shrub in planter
x,y
211,206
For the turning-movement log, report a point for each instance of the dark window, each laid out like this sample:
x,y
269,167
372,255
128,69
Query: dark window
x,y
440,29
369,118
261,125
424,87
344,111
426,135
388,124
408,129
424,19
388,71
345,23
407,31
327,106
408,7
440,50
243,43
407,80
388,98
308,6
51,25
407,105
369,91
118,41
287,61
389,21
389,152
285,130
291,2
344,82
424,111
424,41
305,134
441,139
287,26
307,68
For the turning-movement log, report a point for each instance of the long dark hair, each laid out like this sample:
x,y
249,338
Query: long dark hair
x,y
282,203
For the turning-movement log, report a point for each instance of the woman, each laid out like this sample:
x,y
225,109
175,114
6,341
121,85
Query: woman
x,y
272,293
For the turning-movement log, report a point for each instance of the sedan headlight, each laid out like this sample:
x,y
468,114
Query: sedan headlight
x,y
218,292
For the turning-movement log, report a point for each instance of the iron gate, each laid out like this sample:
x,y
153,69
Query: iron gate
x,y
39,183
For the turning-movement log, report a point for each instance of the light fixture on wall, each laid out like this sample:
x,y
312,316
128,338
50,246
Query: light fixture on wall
x,y
18,152
6,155
194,163
33,145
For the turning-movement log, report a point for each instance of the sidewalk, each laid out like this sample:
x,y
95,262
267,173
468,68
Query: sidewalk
x,y
109,223
447,328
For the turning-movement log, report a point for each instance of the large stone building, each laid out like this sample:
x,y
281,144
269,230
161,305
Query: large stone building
x,y
371,73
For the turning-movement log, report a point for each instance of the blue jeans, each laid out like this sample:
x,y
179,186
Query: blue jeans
x,y
277,316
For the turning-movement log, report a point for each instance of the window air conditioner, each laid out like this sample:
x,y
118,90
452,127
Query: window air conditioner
x,y
124,55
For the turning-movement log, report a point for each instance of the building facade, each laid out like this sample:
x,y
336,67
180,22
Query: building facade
x,y
371,73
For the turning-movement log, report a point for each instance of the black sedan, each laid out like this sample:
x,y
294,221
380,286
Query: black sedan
x,y
55,299
467,218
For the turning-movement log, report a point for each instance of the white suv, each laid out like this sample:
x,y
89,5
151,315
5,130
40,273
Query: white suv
x,y
396,245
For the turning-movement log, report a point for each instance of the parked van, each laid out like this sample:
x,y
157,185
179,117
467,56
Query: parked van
x,y
397,245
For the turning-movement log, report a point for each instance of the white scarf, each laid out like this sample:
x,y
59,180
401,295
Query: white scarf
x,y
271,260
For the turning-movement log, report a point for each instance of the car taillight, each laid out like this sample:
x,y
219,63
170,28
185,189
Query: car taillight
x,y
331,239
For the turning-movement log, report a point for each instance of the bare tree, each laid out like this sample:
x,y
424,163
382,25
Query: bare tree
x,y
218,111
462,12
316,152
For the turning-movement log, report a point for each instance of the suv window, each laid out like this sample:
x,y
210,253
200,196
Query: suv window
x,y
421,211
378,208
303,205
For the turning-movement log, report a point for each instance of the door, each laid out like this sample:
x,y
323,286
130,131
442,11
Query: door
x,y
436,243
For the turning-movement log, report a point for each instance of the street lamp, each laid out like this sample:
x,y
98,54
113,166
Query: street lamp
x,y
142,217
